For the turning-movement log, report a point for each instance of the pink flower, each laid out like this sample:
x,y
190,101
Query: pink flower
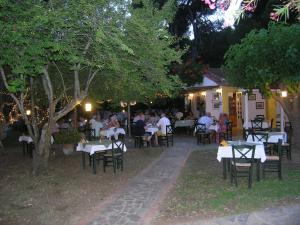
x,y
212,6
274,16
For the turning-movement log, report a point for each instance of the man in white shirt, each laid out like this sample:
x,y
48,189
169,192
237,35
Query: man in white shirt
x,y
96,124
206,119
163,123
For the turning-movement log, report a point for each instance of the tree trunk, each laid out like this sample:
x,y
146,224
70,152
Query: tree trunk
x,y
41,152
294,117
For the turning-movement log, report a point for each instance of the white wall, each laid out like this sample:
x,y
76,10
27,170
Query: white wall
x,y
252,106
209,104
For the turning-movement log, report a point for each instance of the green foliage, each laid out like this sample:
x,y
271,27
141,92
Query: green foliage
x,y
130,47
266,58
70,136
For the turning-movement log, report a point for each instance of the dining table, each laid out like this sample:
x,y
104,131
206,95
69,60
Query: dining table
x,y
184,123
113,132
225,154
265,124
273,137
93,147
27,141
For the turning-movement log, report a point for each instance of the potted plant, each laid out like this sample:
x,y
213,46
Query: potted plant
x,y
68,139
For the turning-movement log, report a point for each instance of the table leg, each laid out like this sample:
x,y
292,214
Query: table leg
x,y
224,168
94,163
83,159
24,146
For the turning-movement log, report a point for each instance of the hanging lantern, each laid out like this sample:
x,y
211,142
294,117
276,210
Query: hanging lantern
x,y
88,107
132,102
28,112
123,104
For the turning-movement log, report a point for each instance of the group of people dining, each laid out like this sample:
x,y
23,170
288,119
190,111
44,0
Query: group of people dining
x,y
221,124
141,125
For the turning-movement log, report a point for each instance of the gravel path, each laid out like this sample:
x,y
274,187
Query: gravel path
x,y
137,202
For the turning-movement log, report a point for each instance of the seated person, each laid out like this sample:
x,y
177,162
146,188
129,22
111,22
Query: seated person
x,y
139,130
179,115
206,119
222,125
113,122
96,124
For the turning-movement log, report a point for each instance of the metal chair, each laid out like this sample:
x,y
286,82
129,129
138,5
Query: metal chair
x,y
202,134
168,137
114,157
242,163
256,125
273,162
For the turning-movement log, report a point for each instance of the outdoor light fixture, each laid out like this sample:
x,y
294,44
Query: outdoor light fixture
x,y
132,102
123,104
191,95
219,90
284,94
88,107
203,93
28,112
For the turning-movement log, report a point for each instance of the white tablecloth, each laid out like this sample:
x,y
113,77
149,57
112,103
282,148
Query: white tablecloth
x,y
265,124
273,137
152,130
95,147
184,123
28,139
112,132
226,152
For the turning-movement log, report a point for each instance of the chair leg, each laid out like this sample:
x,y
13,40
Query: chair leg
x,y
279,172
263,172
258,170
104,165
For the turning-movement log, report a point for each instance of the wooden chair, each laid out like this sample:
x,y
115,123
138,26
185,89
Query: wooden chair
x,y
168,138
90,134
202,134
114,157
256,125
242,163
286,147
273,162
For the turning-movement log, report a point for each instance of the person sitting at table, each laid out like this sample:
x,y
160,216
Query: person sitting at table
x,y
153,119
96,124
179,115
206,119
113,122
140,130
222,126
162,126
82,124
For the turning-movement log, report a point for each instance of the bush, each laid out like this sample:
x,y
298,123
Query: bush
x,y
70,136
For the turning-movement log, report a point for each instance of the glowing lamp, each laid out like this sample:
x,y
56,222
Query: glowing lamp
x,y
28,112
284,94
88,107
132,102
219,90
203,93
191,95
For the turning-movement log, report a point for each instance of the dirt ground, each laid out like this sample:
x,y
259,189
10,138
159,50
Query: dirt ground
x,y
66,193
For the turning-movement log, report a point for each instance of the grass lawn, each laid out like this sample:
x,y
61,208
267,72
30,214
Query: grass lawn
x,y
67,193
201,192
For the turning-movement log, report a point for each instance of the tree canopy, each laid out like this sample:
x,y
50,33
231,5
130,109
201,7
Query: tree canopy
x,y
266,58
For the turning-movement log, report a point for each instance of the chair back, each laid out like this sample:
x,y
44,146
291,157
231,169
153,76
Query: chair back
x,y
260,117
169,130
117,147
278,125
288,127
260,137
256,124
229,129
200,128
90,134
243,154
